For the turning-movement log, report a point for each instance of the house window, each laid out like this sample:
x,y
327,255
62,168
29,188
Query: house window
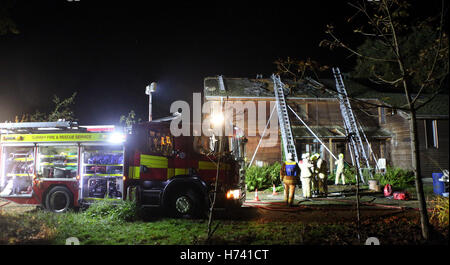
x,y
309,146
431,134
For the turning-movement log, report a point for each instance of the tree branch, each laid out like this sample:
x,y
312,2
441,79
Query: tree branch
x,y
393,82
374,24
340,43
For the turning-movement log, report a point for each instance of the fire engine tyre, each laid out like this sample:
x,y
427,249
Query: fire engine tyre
x,y
59,199
185,204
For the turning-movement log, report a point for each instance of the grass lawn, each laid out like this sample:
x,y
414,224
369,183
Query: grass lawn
x,y
247,226
48,228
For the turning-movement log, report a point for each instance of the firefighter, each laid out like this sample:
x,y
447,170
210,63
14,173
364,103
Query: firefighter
x,y
289,174
321,172
340,170
315,173
305,175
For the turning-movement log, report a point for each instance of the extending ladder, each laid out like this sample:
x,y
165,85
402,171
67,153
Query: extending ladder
x,y
283,118
352,129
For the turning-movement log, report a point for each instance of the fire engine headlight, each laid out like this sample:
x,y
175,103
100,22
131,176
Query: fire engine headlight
x,y
234,194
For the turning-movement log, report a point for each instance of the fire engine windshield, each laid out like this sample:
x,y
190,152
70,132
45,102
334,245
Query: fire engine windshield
x,y
17,171
57,161
235,144
237,147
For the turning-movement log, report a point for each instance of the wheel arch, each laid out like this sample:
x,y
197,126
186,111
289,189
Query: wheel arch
x,y
185,183
50,187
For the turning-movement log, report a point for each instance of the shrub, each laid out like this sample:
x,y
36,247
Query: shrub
x,y
262,177
396,177
256,178
350,175
274,173
114,211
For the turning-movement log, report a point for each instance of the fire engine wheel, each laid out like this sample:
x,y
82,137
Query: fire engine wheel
x,y
185,204
59,199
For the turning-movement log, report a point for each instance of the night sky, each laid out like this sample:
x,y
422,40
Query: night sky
x,y
108,51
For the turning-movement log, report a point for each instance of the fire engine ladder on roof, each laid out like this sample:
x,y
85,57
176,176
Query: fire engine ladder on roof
x,y
354,132
283,118
25,125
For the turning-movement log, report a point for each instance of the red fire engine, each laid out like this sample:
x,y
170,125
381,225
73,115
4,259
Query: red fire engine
x,y
60,165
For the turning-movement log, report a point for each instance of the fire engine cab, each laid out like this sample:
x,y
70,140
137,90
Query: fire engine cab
x,y
179,173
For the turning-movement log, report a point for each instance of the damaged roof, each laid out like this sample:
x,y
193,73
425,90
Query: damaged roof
x,y
246,87
309,88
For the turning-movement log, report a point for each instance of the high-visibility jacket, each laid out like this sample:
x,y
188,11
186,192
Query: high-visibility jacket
x,y
340,164
321,166
290,172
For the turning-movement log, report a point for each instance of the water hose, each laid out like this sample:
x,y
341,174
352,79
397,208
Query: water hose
x,y
267,205
6,203
283,208
257,204
377,205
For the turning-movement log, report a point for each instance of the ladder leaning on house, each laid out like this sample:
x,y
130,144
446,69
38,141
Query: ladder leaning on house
x,y
283,118
352,129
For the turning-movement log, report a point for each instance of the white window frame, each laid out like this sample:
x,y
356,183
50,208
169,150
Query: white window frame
x,y
434,129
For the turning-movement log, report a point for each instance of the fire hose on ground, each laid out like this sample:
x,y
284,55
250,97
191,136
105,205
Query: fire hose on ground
x,y
263,205
282,208
6,203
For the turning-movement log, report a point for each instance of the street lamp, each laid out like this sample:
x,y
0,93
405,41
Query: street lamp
x,y
148,91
